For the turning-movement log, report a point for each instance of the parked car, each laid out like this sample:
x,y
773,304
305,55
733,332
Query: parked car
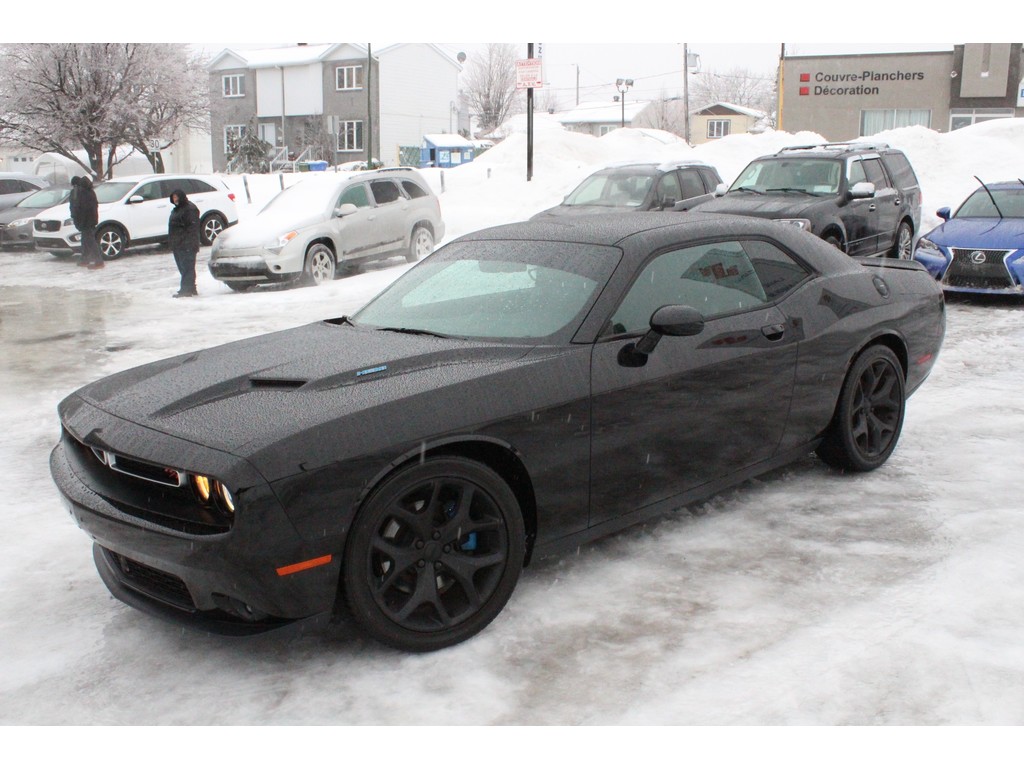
x,y
524,389
133,210
640,187
16,222
980,248
863,198
14,187
325,224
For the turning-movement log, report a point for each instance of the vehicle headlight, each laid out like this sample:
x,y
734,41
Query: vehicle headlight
x,y
804,224
19,223
68,222
211,491
282,241
927,244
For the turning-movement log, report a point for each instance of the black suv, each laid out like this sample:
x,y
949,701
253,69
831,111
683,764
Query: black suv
x,y
863,198
640,187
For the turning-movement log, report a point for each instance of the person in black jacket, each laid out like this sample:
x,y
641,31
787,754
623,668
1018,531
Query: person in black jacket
x,y
85,216
183,234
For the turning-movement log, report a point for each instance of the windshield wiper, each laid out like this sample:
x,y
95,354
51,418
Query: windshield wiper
x,y
790,189
747,189
417,332
991,197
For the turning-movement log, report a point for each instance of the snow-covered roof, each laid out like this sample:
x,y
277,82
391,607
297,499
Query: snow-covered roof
x,y
440,50
755,113
283,56
601,112
448,140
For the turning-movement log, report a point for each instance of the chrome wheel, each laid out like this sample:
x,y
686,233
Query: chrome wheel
x,y
211,227
319,265
902,248
111,242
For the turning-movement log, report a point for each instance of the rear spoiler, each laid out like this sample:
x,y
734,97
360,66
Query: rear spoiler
x,y
887,263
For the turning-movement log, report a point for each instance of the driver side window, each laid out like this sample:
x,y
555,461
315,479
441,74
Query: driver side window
x,y
355,195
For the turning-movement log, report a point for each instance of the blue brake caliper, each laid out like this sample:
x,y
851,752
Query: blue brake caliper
x,y
468,543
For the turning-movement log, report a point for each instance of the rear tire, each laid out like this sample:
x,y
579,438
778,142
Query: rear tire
x,y
903,246
111,241
211,227
420,244
869,414
835,242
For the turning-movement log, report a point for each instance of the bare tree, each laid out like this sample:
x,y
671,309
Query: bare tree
x,y
97,97
738,86
490,84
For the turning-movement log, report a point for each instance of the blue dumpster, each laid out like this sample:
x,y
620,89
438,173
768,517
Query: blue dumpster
x,y
318,165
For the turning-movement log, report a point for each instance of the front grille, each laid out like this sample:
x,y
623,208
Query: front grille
x,y
47,225
979,268
165,587
51,242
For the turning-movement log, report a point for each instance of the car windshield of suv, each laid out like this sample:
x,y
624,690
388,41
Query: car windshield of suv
x,y
312,195
46,198
803,175
111,191
614,188
979,205
500,290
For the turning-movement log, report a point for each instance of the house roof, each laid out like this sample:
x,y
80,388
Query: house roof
x,y
447,55
448,140
755,113
601,112
283,56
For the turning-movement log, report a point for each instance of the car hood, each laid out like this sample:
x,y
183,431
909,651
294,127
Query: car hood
x,y
582,210
265,228
254,396
13,214
979,233
772,206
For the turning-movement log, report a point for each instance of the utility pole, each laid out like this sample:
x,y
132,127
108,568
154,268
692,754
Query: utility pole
x,y
529,122
781,85
369,106
686,93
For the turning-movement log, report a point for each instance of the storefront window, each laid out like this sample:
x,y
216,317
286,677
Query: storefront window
x,y
961,118
874,121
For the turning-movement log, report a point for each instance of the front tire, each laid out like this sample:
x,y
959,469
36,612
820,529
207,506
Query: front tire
x,y
434,554
319,265
420,244
111,241
869,415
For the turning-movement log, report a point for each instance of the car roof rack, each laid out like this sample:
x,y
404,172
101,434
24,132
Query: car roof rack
x,y
837,146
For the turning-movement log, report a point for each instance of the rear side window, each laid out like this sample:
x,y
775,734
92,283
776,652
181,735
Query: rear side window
x,y
900,170
385,192
692,185
412,189
196,187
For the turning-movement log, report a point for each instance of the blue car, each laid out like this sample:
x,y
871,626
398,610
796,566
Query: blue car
x,y
980,248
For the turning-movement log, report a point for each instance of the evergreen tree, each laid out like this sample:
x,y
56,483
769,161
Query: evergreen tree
x,y
249,153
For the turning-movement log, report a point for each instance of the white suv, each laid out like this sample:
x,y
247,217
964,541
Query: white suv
x,y
328,223
133,210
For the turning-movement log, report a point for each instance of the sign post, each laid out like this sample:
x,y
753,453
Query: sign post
x,y
529,75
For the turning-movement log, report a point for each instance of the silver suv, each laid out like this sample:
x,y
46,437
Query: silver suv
x,y
328,223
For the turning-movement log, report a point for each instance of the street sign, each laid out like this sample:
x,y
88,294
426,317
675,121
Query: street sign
x,y
529,74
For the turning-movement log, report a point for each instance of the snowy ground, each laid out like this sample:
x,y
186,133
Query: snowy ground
x,y
805,597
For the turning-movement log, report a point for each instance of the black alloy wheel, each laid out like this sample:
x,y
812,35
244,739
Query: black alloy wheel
x,y
869,416
434,554
111,242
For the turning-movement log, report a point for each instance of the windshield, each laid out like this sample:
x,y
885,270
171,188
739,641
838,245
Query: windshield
x,y
46,198
979,204
507,290
110,191
613,188
806,175
305,197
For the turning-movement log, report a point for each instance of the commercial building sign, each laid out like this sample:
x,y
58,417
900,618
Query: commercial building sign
x,y
864,83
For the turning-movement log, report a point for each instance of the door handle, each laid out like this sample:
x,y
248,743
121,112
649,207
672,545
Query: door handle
x,y
872,207
774,332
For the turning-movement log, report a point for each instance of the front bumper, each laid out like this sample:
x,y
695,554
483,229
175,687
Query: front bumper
x,y
998,271
16,237
255,266
221,579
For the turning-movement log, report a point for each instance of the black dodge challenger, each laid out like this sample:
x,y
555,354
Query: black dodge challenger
x,y
523,389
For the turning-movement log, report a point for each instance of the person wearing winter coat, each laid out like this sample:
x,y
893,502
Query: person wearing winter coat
x,y
183,235
85,216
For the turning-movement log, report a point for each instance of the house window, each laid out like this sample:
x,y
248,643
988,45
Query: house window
x,y
350,136
232,135
603,130
874,121
349,78
234,85
961,118
718,129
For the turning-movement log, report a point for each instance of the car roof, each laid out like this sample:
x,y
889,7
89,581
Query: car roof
x,y
662,166
23,176
831,150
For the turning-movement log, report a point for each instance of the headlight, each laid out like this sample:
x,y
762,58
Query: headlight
x,y
68,222
927,244
210,491
803,224
19,223
281,242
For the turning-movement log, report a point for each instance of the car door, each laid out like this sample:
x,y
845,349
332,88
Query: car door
x,y
693,189
147,209
887,204
354,234
860,216
389,216
699,407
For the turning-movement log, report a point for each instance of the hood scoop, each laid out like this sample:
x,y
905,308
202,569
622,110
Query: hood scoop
x,y
276,384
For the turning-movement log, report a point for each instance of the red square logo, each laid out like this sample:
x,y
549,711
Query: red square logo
x,y
804,91
805,77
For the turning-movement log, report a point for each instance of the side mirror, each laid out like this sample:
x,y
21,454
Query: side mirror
x,y
862,190
944,213
670,320
667,202
721,189
135,199
345,209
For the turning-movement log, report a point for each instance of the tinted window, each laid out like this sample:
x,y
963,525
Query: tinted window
x,y
8,186
900,170
385,192
874,173
355,195
152,191
669,189
413,190
692,185
714,278
778,272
